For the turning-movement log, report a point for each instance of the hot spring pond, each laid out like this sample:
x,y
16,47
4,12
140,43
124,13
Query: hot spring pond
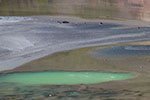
x,y
60,77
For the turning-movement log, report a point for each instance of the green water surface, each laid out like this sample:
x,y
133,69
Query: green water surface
x,y
59,78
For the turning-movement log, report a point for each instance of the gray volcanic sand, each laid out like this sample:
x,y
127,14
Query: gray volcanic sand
x,y
29,38
45,35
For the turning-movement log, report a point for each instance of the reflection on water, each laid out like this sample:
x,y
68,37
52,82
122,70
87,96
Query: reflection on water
x,y
93,9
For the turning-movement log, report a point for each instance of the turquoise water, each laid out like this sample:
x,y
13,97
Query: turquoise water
x,y
59,78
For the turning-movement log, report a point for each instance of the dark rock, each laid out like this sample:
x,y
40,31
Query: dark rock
x,y
125,90
101,23
136,91
140,94
59,22
65,22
